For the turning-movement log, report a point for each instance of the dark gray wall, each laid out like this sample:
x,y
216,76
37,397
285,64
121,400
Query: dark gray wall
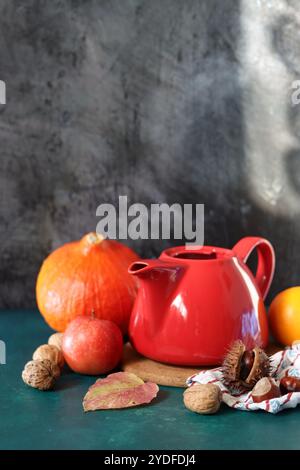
x,y
161,100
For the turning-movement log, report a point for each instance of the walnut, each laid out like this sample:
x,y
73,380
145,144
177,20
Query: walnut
x,y
203,398
47,351
41,374
56,340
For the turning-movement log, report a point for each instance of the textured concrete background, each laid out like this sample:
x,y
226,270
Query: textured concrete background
x,y
161,100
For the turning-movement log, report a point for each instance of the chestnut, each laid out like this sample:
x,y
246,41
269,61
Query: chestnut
x,y
289,384
265,389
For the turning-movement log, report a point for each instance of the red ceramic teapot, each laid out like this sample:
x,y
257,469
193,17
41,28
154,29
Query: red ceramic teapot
x,y
194,302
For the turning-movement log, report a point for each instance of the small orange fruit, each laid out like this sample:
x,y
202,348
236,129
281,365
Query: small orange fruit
x,y
284,315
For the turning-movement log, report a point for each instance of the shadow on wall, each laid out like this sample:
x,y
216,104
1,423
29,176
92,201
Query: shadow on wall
x,y
286,42
269,135
285,36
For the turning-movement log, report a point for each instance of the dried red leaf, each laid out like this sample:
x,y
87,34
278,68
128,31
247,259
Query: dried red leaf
x,y
119,390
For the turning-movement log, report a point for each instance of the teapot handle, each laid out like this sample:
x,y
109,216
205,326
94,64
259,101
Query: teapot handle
x,y
266,260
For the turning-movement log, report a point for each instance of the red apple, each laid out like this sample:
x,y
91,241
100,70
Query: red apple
x,y
92,346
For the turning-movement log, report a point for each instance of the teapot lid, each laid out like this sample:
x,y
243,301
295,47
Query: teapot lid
x,y
203,253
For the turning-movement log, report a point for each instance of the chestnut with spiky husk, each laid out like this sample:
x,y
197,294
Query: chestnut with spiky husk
x,y
242,368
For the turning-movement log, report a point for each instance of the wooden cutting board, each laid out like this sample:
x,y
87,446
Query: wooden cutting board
x,y
148,370
162,374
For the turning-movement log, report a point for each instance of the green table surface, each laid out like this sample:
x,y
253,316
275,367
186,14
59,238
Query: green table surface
x,y
30,419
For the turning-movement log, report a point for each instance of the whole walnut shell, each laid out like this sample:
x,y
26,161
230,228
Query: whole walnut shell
x,y
41,374
47,351
56,340
203,398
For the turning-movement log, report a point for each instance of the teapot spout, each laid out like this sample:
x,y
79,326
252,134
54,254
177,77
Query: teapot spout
x,y
143,268
158,280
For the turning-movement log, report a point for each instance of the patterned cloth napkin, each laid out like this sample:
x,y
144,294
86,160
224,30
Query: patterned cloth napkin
x,y
286,362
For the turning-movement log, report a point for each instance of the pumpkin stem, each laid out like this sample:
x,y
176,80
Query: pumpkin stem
x,y
93,313
90,241
94,238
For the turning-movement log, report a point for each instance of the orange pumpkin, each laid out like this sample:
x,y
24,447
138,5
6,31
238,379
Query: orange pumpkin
x,y
84,276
